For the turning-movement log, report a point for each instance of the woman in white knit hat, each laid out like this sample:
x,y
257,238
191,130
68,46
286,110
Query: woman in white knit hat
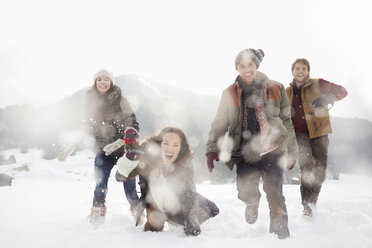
x,y
108,113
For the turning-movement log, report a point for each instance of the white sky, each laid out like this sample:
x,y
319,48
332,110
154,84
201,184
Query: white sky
x,y
51,49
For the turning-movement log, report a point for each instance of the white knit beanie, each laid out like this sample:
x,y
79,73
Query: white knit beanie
x,y
104,73
256,56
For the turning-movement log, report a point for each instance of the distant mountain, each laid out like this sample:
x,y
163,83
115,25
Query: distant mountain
x,y
350,145
156,106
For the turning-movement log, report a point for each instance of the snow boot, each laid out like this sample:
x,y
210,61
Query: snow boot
x,y
251,213
283,233
308,212
97,216
279,226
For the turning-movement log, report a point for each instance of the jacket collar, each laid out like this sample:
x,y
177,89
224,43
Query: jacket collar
x,y
260,78
308,82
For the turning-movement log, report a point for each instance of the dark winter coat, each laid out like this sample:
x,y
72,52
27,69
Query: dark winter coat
x,y
180,176
229,117
108,115
317,120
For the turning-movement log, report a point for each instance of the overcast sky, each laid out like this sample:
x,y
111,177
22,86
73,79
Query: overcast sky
x,y
51,49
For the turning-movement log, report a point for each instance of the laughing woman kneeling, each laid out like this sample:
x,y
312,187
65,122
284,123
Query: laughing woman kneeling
x,y
167,174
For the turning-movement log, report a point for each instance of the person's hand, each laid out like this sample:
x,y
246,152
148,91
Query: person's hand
x,y
291,164
119,177
192,229
131,144
210,157
110,148
323,101
66,152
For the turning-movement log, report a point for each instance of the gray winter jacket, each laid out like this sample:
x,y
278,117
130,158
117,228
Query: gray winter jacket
x,y
108,115
229,118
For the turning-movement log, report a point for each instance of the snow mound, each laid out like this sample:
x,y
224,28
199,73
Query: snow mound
x,y
48,205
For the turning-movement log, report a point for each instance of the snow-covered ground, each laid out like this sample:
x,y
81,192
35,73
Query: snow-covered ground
x,y
48,206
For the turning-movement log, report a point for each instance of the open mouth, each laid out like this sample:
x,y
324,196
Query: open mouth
x,y
169,155
248,74
102,87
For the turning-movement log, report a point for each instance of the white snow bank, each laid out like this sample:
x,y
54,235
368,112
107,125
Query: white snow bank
x,y
48,206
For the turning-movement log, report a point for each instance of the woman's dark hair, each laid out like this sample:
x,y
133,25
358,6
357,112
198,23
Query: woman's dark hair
x,y
185,152
302,61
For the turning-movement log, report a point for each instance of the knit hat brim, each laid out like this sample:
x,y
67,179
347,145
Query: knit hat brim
x,y
256,56
105,73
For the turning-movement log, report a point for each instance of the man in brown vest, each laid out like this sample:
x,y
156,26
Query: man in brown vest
x,y
310,100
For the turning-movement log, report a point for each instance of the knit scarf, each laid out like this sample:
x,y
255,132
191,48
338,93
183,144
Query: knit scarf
x,y
250,95
101,106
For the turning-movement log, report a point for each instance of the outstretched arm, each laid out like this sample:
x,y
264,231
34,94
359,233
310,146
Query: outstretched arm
x,y
66,152
337,91
125,166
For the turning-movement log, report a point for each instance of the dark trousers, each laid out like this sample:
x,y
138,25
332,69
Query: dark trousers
x,y
248,179
313,155
102,168
202,210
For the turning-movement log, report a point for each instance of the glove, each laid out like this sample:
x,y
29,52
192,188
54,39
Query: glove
x,y
131,136
210,157
110,148
192,229
323,101
66,152
131,144
291,164
125,167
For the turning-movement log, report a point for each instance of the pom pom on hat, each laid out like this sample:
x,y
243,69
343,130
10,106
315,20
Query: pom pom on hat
x,y
256,56
104,73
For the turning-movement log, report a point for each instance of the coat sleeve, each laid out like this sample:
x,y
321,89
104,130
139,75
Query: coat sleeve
x,y
285,116
219,126
128,116
336,90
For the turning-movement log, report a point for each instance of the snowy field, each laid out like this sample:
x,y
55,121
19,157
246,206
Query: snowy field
x,y
48,206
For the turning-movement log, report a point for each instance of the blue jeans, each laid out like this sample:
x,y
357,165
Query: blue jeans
x,y
102,168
